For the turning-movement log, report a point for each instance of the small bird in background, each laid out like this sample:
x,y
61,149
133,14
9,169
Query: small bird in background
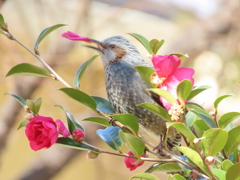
x,y
126,89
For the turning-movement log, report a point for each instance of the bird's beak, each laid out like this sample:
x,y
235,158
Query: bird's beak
x,y
99,47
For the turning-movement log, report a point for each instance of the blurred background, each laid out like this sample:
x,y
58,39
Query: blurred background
x,y
208,31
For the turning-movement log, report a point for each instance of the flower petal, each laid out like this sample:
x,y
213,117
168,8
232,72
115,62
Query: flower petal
x,y
61,128
75,37
165,65
184,73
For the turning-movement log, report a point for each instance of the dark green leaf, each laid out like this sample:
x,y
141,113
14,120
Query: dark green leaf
x,y
23,124
155,45
145,176
28,70
81,71
233,173
227,118
98,120
134,143
220,174
110,135
165,94
183,129
193,156
72,121
143,41
44,33
73,144
191,119
128,120
197,90
213,141
18,98
157,110
165,167
103,105
219,99
80,97
233,140
145,73
226,164
184,89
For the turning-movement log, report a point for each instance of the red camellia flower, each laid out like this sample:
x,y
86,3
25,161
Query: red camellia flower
x,y
170,75
42,132
132,163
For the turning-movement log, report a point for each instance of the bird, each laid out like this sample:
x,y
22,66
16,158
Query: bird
x,y
126,89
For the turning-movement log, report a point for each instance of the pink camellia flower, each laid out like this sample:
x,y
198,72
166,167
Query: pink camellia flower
x,y
170,75
132,163
42,132
78,135
75,37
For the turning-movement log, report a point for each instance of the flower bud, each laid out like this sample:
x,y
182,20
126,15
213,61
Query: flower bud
x,y
29,116
91,155
209,160
78,135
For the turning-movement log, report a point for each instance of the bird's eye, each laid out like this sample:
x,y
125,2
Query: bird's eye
x,y
113,46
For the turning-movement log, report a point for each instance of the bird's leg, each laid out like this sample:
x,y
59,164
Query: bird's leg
x,y
160,146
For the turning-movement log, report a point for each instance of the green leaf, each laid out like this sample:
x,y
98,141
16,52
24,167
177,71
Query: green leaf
x,y
110,135
1,32
81,71
194,157
214,141
28,70
71,120
233,140
178,177
23,124
220,174
184,89
219,99
191,119
98,120
143,41
233,173
226,164
103,105
18,98
181,56
197,90
44,33
165,94
80,97
157,110
73,144
227,118
134,143
34,106
128,120
145,73
200,127
183,129
165,167
155,45
2,22
145,176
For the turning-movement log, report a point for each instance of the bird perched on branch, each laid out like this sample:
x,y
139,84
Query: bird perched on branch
x,y
126,89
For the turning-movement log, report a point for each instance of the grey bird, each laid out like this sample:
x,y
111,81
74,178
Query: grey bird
x,y
126,89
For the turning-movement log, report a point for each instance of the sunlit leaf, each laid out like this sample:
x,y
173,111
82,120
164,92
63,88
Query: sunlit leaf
x,y
44,33
28,70
145,73
23,124
18,98
226,164
155,45
144,176
98,120
200,127
134,143
219,173
233,172
103,105
2,22
227,118
165,94
80,72
191,119
143,41
233,140
219,99
80,97
110,135
197,90
184,89
165,167
181,56
213,141
157,110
